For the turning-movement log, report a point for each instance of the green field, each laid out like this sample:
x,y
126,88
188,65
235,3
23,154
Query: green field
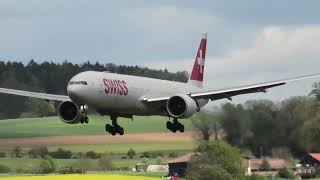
x,y
81,177
179,147
123,148
16,163
52,126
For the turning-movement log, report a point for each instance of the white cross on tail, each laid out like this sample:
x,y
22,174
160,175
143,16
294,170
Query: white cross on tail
x,y
200,61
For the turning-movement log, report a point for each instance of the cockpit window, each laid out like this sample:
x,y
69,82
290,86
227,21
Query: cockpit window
x,y
78,83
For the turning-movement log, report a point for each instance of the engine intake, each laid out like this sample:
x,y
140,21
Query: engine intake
x,y
69,112
181,106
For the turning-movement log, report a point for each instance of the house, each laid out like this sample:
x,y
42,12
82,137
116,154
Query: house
x,y
179,165
308,165
157,168
311,159
254,166
141,167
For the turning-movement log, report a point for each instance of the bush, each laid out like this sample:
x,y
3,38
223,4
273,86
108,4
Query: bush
x,y
4,169
255,177
61,154
317,172
51,162
78,155
28,170
3,154
126,168
81,165
285,173
210,172
105,162
17,151
131,153
92,155
160,160
124,157
38,152
173,155
47,165
145,161
154,154
157,154
146,155
65,170
215,160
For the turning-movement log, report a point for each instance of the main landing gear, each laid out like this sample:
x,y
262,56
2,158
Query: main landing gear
x,y
114,128
175,126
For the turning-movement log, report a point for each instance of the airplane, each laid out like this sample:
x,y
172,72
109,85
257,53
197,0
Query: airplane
x,y
118,95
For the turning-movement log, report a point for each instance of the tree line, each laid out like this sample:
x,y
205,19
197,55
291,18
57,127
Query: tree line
x,y
49,77
267,128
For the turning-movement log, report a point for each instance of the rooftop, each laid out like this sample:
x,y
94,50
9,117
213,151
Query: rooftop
x,y
184,158
274,163
315,156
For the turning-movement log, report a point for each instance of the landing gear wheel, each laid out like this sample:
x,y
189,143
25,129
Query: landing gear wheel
x,y
113,131
108,128
181,127
174,130
121,131
169,125
114,128
175,126
86,120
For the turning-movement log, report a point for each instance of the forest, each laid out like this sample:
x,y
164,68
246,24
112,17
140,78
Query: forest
x,y
49,77
260,127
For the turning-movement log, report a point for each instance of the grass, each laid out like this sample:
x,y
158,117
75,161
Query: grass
x,y
123,148
81,177
52,126
178,147
16,163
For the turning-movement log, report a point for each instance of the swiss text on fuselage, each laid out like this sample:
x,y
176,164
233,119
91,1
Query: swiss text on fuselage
x,y
115,86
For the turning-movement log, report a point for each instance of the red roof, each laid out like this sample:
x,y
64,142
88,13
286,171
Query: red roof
x,y
274,163
184,158
315,156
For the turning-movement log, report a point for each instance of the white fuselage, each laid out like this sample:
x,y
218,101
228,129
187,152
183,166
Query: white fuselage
x,y
111,93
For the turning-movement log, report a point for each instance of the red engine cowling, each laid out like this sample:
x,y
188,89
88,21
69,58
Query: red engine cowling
x,y
181,106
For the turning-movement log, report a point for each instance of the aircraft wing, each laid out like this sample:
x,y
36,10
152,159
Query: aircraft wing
x,y
35,95
228,93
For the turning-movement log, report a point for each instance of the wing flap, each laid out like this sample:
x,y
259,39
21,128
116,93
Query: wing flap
x,y
35,94
229,92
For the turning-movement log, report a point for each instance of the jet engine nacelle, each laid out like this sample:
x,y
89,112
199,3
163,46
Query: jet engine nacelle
x,y
69,112
181,106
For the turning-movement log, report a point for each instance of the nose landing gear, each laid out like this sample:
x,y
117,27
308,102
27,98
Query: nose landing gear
x,y
175,126
84,114
114,128
84,119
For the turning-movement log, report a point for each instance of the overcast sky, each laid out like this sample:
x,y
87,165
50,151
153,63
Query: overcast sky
x,y
248,41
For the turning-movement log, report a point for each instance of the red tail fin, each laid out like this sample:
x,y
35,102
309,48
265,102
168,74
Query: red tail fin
x,y
196,77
